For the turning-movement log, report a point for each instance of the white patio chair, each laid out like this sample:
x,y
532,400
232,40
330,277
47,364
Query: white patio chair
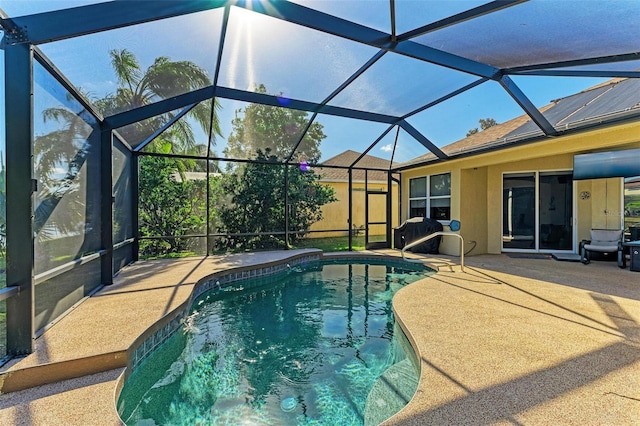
x,y
602,241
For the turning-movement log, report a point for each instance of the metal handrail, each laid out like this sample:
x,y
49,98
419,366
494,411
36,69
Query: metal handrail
x,y
430,236
58,270
7,292
123,243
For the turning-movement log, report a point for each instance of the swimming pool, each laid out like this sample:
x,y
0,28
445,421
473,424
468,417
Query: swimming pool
x,y
304,346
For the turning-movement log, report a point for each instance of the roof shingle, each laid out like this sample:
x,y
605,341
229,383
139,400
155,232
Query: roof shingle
x,y
346,159
615,96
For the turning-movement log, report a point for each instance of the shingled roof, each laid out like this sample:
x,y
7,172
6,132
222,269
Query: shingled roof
x,y
617,96
346,159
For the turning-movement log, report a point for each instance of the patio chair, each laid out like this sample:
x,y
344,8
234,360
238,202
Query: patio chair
x,y
604,241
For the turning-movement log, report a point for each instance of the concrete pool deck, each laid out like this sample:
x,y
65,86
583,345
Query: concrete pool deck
x,y
513,340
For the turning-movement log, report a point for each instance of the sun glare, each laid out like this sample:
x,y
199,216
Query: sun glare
x,y
246,26
243,45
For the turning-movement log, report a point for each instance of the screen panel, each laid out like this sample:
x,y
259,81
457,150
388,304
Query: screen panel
x,y
396,85
274,131
3,329
525,27
122,257
128,67
55,296
3,215
255,216
461,116
285,58
122,188
67,169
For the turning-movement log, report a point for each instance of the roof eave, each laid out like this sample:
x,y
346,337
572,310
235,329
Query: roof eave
x,y
569,128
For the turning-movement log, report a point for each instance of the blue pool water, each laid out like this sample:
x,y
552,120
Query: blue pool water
x,y
304,349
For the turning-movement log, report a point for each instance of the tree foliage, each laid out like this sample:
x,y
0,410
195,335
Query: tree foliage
x,y
485,123
249,199
169,203
169,206
61,154
255,192
258,201
277,129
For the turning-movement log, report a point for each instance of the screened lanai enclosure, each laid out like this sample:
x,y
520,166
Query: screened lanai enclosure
x,y
141,129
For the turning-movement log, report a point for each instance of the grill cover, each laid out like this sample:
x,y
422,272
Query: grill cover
x,y
416,228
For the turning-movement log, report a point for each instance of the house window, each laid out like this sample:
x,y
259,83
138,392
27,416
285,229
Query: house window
x,y
430,196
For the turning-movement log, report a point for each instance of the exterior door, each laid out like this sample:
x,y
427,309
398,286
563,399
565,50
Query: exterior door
x,y
375,234
537,211
556,211
519,211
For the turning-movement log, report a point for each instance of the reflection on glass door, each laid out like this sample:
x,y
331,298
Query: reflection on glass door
x,y
556,211
537,211
518,211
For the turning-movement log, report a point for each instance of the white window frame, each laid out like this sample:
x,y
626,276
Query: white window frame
x,y
428,197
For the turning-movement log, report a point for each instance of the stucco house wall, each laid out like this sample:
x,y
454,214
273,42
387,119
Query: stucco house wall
x,y
335,215
333,172
476,184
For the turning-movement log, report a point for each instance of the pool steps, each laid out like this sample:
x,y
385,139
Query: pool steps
x,y
391,392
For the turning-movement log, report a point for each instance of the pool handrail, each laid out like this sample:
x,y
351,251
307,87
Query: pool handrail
x,y
430,236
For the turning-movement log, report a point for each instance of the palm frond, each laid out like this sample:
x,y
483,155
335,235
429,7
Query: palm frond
x,y
168,78
183,137
126,66
50,199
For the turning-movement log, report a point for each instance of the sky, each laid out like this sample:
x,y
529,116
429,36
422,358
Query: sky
x,y
300,63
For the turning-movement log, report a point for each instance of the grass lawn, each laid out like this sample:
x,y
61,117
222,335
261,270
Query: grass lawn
x,y
170,255
331,243
325,244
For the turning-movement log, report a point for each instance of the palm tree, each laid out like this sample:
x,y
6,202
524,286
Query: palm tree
x,y
162,80
67,147
59,156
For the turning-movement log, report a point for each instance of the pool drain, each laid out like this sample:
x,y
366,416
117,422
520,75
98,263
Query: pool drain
x,y
288,404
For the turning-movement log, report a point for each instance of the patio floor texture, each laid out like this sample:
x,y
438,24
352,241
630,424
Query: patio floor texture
x,y
512,340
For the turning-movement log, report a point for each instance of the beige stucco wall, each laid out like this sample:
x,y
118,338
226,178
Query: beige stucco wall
x,y
476,184
606,203
474,211
335,215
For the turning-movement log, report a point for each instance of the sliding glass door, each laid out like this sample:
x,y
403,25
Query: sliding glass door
x,y
556,211
537,211
519,211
